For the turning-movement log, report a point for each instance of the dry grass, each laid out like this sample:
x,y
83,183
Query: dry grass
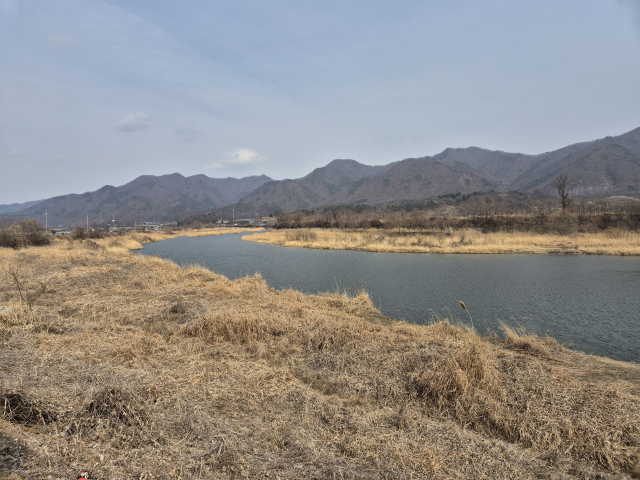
x,y
613,242
156,236
131,367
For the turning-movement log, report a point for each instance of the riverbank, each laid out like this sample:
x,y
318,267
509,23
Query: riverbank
x,y
136,240
132,367
468,241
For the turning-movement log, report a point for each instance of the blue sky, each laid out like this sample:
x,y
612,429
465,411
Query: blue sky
x,y
96,92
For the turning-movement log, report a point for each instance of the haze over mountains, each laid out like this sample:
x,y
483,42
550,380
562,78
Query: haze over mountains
x,y
609,166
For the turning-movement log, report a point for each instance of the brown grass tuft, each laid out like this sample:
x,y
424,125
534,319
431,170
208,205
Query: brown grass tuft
x,y
636,470
234,326
17,408
529,343
118,406
450,378
250,382
178,308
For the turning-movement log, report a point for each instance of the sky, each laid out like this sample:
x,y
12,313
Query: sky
x,y
98,92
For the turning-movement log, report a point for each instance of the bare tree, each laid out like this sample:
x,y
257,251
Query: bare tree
x,y
561,184
26,296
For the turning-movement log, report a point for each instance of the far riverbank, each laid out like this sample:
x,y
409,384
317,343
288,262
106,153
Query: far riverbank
x,y
137,240
467,241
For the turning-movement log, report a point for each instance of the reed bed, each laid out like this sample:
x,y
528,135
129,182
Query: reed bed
x,y
469,241
131,367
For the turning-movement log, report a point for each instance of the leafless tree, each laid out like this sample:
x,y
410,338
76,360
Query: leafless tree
x,y
561,184
28,297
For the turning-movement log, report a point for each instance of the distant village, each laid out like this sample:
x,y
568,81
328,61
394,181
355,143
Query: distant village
x,y
151,226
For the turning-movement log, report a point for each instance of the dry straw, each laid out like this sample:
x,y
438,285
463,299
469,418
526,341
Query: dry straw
x,y
460,240
136,368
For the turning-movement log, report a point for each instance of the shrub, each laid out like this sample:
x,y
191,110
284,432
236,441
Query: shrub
x,y
95,233
80,233
23,234
8,239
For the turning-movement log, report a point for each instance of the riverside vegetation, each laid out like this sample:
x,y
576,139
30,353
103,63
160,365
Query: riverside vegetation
x,y
132,367
423,231
452,240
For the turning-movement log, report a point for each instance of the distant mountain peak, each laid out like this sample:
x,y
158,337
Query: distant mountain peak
x,y
610,165
146,198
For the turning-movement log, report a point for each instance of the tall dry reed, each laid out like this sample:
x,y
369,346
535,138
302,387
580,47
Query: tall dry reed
x,y
455,241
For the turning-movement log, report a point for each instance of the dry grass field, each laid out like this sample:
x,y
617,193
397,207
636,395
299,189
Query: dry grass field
x,y
133,368
470,241
203,232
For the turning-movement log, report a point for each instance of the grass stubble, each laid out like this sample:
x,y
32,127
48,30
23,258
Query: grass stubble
x,y
464,240
132,367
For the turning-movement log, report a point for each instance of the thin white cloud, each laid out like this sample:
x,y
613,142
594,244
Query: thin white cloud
x,y
60,42
186,132
15,153
240,157
133,123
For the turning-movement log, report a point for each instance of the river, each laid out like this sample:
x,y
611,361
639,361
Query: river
x,y
591,303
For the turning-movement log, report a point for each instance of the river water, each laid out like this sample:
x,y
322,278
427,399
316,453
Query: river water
x,y
591,303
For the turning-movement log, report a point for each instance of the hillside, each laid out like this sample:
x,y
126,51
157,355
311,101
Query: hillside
x,y
284,194
499,168
411,179
15,207
347,181
606,167
338,175
610,165
233,189
147,198
314,189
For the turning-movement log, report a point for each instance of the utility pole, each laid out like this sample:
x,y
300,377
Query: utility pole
x,y
113,221
87,222
46,223
234,214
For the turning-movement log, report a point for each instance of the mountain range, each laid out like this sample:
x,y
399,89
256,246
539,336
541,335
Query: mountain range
x,y
609,166
147,198
16,207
